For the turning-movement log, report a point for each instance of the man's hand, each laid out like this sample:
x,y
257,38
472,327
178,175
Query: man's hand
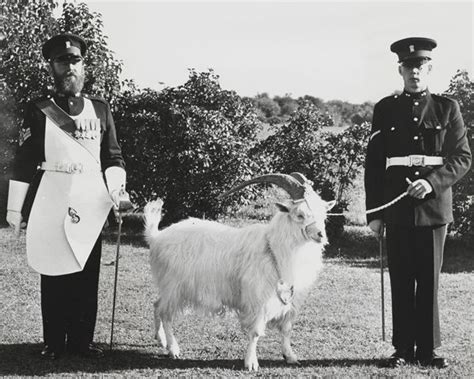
x,y
121,201
115,196
377,227
14,219
419,188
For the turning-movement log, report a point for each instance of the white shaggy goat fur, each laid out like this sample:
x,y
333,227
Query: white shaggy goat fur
x,y
207,265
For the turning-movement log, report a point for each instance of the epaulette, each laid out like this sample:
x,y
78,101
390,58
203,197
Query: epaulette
x,y
389,99
41,98
445,98
95,98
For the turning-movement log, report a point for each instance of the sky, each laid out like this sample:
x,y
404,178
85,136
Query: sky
x,y
331,50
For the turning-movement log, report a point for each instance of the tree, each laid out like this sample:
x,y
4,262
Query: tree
x,y
461,88
316,101
287,104
267,106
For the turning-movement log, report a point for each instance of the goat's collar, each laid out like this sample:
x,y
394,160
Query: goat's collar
x,y
284,290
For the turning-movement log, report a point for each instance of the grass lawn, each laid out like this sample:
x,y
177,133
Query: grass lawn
x,y
338,332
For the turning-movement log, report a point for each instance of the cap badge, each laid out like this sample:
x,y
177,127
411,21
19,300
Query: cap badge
x,y
68,44
412,48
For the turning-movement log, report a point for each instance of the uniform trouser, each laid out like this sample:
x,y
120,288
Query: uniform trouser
x,y
69,305
415,256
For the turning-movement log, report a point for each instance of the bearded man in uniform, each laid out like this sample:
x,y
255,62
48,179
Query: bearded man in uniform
x,y
68,174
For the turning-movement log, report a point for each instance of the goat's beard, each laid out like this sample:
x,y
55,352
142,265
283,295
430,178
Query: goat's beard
x,y
70,83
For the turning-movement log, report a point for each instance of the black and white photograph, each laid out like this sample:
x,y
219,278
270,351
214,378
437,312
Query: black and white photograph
x,y
253,188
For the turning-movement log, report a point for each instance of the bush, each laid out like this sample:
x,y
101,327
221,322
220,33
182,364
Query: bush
x,y
461,88
187,144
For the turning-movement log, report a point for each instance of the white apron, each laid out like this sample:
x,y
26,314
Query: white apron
x,y
69,209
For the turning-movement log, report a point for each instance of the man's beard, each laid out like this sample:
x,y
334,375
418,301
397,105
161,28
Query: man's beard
x,y
69,83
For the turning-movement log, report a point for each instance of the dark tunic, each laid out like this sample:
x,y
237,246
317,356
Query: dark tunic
x,y
406,125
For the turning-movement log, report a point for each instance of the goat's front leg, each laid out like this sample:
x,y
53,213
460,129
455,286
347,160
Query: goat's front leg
x,y
159,331
257,330
172,344
286,349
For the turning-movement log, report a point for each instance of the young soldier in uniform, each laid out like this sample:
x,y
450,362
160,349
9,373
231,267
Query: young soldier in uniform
x,y
418,143
68,145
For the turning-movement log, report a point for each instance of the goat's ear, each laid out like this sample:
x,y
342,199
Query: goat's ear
x,y
330,204
282,207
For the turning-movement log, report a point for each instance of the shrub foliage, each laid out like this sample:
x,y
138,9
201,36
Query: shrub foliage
x,y
461,88
186,144
331,160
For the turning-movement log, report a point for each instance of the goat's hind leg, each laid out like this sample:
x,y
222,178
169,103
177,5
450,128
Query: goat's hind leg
x,y
288,353
160,335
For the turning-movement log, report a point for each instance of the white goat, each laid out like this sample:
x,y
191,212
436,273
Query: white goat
x,y
263,272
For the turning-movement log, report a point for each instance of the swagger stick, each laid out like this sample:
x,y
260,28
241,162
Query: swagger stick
x,y
117,255
124,206
382,282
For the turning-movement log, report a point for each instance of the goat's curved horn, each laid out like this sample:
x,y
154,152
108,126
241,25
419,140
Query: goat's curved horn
x,y
294,188
301,178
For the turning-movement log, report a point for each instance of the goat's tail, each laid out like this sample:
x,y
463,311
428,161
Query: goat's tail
x,y
152,213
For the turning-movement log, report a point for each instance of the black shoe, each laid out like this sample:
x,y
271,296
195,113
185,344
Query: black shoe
x,y
49,354
89,351
432,359
400,358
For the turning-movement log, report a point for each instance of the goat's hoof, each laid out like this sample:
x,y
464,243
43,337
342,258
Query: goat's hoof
x,y
291,359
251,365
174,353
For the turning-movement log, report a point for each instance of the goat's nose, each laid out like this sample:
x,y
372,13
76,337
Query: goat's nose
x,y
314,233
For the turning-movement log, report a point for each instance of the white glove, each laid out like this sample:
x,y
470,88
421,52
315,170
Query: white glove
x,y
419,188
115,178
377,227
14,219
16,196
119,195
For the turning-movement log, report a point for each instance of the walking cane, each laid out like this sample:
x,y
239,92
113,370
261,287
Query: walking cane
x,y
381,282
124,206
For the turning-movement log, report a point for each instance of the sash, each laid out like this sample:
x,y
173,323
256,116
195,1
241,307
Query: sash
x,y
59,117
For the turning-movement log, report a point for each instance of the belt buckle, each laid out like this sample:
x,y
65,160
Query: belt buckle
x,y
417,160
71,168
76,168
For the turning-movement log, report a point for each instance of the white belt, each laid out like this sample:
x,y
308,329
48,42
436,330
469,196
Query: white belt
x,y
414,160
67,167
